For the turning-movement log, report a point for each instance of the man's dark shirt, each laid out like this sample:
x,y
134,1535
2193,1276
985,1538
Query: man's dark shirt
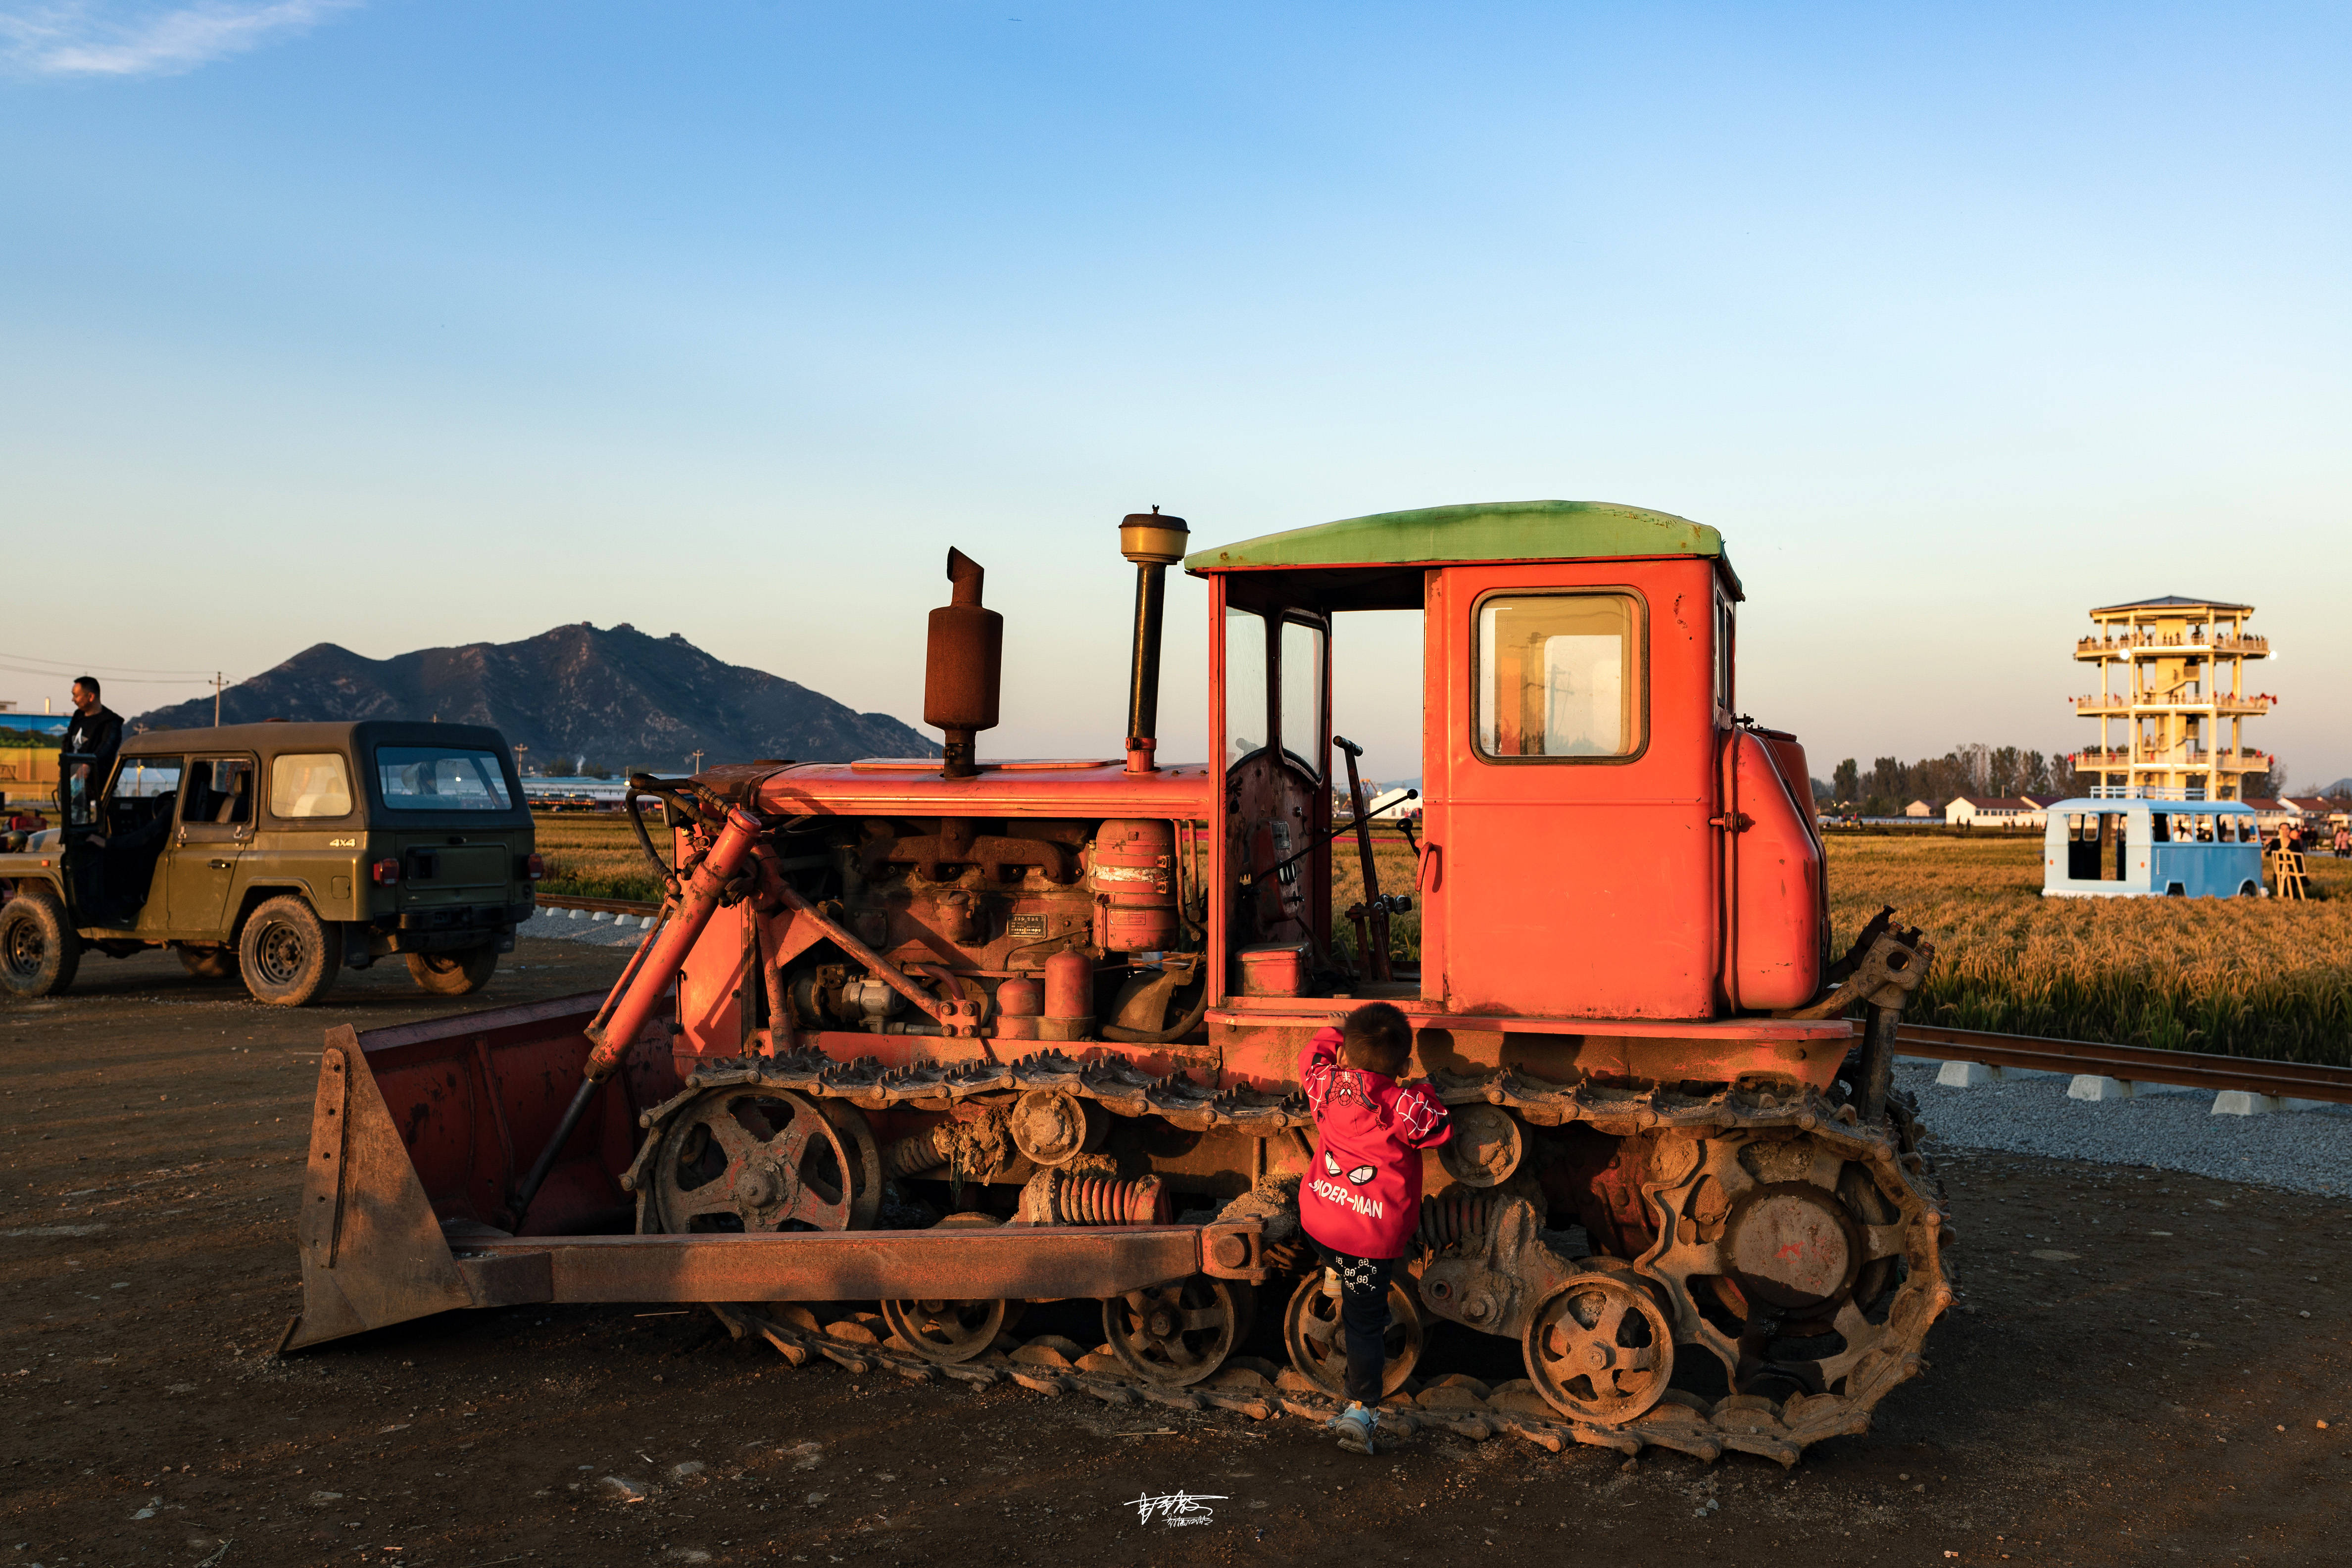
x,y
98,736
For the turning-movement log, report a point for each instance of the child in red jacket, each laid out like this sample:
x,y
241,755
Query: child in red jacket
x,y
1360,1203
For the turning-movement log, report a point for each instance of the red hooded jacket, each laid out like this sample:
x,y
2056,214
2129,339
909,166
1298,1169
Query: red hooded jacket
x,y
1362,1195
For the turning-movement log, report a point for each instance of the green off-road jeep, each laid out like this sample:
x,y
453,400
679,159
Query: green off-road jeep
x,y
281,854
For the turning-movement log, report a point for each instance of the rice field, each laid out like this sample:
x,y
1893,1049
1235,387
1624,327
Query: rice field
x,y
591,855
2235,977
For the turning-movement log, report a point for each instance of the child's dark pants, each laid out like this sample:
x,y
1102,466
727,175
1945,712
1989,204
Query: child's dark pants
x,y
1363,1319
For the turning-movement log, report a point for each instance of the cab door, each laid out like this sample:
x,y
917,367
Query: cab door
x,y
1572,868
215,824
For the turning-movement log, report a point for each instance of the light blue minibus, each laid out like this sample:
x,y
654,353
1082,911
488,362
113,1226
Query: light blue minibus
x,y
2135,846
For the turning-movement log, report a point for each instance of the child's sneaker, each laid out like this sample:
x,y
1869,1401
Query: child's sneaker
x,y
1356,1427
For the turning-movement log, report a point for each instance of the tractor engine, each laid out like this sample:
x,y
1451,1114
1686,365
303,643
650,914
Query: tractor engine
x,y
1055,927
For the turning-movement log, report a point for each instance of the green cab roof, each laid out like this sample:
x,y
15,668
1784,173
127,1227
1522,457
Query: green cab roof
x,y
1482,531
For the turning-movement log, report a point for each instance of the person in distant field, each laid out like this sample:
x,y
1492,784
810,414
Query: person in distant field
x,y
96,731
2343,841
1360,1203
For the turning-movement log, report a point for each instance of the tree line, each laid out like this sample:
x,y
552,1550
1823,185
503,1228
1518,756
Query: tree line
x,y
1890,783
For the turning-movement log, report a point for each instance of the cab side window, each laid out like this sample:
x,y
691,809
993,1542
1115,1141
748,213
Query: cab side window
x,y
1560,676
218,792
1301,713
143,788
309,784
1247,725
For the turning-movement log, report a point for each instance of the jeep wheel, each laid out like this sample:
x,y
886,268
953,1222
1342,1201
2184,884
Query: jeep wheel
x,y
208,962
454,974
38,952
288,955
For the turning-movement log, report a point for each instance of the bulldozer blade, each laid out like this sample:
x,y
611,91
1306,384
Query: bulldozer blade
x,y
419,1132
372,1252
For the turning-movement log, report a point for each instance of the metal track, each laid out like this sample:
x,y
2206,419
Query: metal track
x,y
2299,1080
1889,1353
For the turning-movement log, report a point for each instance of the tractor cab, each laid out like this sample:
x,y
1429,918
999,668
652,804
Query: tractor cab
x,y
1601,837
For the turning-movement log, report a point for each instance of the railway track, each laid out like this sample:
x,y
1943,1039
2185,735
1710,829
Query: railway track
x,y
2188,1070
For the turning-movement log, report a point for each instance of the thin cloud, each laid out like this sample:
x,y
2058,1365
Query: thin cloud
x,y
92,37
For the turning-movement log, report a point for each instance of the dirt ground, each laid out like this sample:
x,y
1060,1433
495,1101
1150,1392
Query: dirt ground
x,y
2142,1368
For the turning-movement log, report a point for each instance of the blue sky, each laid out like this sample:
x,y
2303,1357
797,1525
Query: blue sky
x,y
398,325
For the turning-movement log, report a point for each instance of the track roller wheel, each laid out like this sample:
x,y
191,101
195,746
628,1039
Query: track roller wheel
x,y
746,1158
1177,1334
1318,1346
946,1332
1600,1349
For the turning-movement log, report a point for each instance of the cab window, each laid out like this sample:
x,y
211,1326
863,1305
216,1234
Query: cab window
x,y
143,778
218,791
1246,730
1560,675
1725,629
1302,695
309,784
143,789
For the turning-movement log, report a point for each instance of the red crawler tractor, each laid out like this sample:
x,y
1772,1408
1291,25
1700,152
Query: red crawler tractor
x,y
915,1042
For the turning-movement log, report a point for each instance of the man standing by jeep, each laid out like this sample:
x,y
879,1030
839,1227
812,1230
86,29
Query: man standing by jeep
x,y
96,732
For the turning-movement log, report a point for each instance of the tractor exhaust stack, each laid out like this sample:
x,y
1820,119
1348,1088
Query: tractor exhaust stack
x,y
964,667
1154,543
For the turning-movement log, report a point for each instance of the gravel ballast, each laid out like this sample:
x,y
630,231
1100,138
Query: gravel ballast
x,y
559,925
2299,1151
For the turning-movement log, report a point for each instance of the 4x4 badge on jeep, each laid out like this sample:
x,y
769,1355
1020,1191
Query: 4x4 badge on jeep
x,y
342,843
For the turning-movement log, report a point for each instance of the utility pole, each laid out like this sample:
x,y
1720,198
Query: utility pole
x,y
217,684
694,758
518,751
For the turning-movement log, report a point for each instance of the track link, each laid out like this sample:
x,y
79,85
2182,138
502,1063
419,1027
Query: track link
x,y
1699,1130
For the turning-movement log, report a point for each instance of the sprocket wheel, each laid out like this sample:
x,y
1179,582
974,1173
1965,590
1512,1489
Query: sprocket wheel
x,y
748,1157
1318,1348
1775,1251
1177,1334
1600,1349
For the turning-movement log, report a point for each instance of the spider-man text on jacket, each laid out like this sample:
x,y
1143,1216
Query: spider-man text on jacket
x,y
1362,1195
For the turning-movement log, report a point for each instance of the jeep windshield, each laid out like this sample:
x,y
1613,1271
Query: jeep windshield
x,y
441,778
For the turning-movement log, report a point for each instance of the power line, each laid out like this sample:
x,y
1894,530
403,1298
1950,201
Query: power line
x,y
101,669
113,679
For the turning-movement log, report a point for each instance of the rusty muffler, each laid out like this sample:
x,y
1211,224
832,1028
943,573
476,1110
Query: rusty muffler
x,y
964,667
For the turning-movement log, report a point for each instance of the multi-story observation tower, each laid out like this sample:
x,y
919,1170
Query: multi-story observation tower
x,y
2172,701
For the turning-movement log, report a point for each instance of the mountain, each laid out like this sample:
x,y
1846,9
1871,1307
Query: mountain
x,y
617,698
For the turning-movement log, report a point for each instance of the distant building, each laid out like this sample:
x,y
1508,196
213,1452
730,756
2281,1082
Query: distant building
x,y
1924,808
2172,676
2310,810
1995,811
